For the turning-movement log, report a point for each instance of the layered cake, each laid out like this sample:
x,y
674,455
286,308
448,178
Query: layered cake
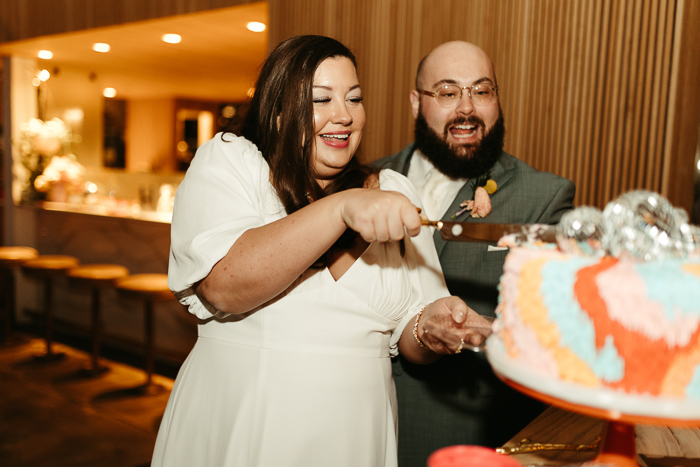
x,y
600,321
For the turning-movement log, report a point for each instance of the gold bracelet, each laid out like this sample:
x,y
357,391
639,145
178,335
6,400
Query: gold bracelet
x,y
415,329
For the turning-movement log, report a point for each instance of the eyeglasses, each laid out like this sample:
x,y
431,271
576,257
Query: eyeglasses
x,y
450,94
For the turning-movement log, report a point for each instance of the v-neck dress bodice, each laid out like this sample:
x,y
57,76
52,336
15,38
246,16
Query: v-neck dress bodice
x,y
305,379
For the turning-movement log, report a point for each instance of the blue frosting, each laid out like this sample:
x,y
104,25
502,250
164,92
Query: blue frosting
x,y
693,388
667,283
575,327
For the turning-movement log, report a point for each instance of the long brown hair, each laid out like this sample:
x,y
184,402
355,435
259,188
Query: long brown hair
x,y
281,113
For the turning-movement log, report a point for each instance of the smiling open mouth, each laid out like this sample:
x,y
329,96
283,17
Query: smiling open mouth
x,y
463,131
338,137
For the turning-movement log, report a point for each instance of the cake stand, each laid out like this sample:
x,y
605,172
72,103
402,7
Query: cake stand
x,y
620,411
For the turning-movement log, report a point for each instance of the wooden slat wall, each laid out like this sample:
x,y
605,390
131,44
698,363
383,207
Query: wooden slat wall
x,y
586,85
604,92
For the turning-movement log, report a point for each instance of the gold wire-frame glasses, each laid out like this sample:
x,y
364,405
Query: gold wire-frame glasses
x,y
450,94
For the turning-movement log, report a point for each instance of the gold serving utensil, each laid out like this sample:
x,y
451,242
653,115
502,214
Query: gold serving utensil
x,y
526,445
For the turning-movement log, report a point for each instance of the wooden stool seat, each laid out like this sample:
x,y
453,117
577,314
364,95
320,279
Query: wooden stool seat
x,y
95,277
11,257
46,268
149,288
49,265
153,286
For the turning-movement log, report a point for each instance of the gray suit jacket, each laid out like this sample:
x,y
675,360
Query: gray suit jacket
x,y
524,196
458,399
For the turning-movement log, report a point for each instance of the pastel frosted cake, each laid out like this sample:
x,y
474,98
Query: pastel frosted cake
x,y
603,322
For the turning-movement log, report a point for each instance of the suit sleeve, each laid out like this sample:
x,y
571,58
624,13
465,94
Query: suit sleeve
x,y
561,202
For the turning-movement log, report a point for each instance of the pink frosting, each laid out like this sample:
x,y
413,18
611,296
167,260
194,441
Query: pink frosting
x,y
530,351
624,293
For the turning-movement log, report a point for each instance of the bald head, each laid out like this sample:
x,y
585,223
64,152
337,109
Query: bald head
x,y
451,59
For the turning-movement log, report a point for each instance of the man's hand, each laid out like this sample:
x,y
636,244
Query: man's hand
x,y
448,324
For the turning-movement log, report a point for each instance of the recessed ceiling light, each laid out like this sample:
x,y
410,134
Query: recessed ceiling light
x,y
109,92
45,54
256,26
172,38
100,47
44,75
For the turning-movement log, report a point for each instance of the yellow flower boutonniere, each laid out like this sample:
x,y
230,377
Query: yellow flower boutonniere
x,y
480,204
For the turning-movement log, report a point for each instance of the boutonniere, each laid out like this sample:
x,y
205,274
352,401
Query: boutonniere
x,y
480,204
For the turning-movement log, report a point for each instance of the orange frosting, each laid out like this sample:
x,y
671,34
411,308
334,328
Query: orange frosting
x,y
645,360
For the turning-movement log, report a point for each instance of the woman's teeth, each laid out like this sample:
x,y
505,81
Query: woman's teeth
x,y
338,137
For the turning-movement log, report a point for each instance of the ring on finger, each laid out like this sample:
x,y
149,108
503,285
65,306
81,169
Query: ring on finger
x,y
461,345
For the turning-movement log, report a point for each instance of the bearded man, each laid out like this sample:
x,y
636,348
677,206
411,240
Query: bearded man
x,y
459,134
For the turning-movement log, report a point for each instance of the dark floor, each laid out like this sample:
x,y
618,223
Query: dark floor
x,y
52,415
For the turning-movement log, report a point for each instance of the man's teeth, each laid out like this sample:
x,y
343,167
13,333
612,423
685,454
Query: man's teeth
x,y
470,128
340,137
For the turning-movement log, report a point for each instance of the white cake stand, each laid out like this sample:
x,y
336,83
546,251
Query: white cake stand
x,y
620,411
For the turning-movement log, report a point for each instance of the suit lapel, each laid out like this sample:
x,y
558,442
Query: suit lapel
x,y
501,173
466,193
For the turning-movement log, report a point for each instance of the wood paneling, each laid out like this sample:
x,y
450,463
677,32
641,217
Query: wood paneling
x,y
598,91
603,92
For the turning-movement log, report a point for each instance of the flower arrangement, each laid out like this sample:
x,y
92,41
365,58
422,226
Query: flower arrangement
x,y
38,144
60,177
480,204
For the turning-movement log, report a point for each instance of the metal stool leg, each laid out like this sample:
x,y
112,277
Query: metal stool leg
x,y
8,283
50,355
95,367
150,387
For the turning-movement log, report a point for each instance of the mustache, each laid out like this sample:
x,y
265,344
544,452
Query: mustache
x,y
461,120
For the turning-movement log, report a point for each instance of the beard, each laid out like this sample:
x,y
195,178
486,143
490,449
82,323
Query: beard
x,y
461,161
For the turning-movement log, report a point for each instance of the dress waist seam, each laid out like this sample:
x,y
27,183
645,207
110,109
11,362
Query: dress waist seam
x,y
324,352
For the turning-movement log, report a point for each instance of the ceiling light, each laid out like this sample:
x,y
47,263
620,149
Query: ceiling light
x,y
100,47
172,38
256,26
109,92
44,75
45,54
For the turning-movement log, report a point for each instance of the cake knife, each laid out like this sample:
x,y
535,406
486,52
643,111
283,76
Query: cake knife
x,y
491,233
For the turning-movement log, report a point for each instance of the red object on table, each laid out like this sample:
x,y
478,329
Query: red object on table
x,y
470,456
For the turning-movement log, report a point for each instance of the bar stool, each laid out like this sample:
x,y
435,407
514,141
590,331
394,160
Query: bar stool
x,y
46,268
149,288
95,277
11,258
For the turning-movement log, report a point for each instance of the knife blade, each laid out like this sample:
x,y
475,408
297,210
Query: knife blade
x,y
490,233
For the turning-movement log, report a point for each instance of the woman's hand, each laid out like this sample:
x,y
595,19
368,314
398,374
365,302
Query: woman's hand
x,y
443,330
379,216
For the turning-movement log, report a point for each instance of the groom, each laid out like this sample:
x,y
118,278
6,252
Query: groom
x,y
459,133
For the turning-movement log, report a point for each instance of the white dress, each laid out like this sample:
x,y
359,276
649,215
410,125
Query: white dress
x,y
305,379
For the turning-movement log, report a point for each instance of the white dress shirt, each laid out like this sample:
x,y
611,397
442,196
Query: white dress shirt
x,y
436,190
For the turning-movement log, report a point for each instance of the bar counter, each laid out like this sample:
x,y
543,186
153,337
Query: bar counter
x,y
115,234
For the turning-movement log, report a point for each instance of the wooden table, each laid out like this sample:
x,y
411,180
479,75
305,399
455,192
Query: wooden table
x,y
657,446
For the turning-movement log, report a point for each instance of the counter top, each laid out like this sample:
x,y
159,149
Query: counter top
x,y
121,209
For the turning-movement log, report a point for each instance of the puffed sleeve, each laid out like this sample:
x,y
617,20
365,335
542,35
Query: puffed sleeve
x,y
225,192
428,282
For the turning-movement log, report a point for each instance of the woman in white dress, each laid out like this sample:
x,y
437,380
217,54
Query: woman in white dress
x,y
307,272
